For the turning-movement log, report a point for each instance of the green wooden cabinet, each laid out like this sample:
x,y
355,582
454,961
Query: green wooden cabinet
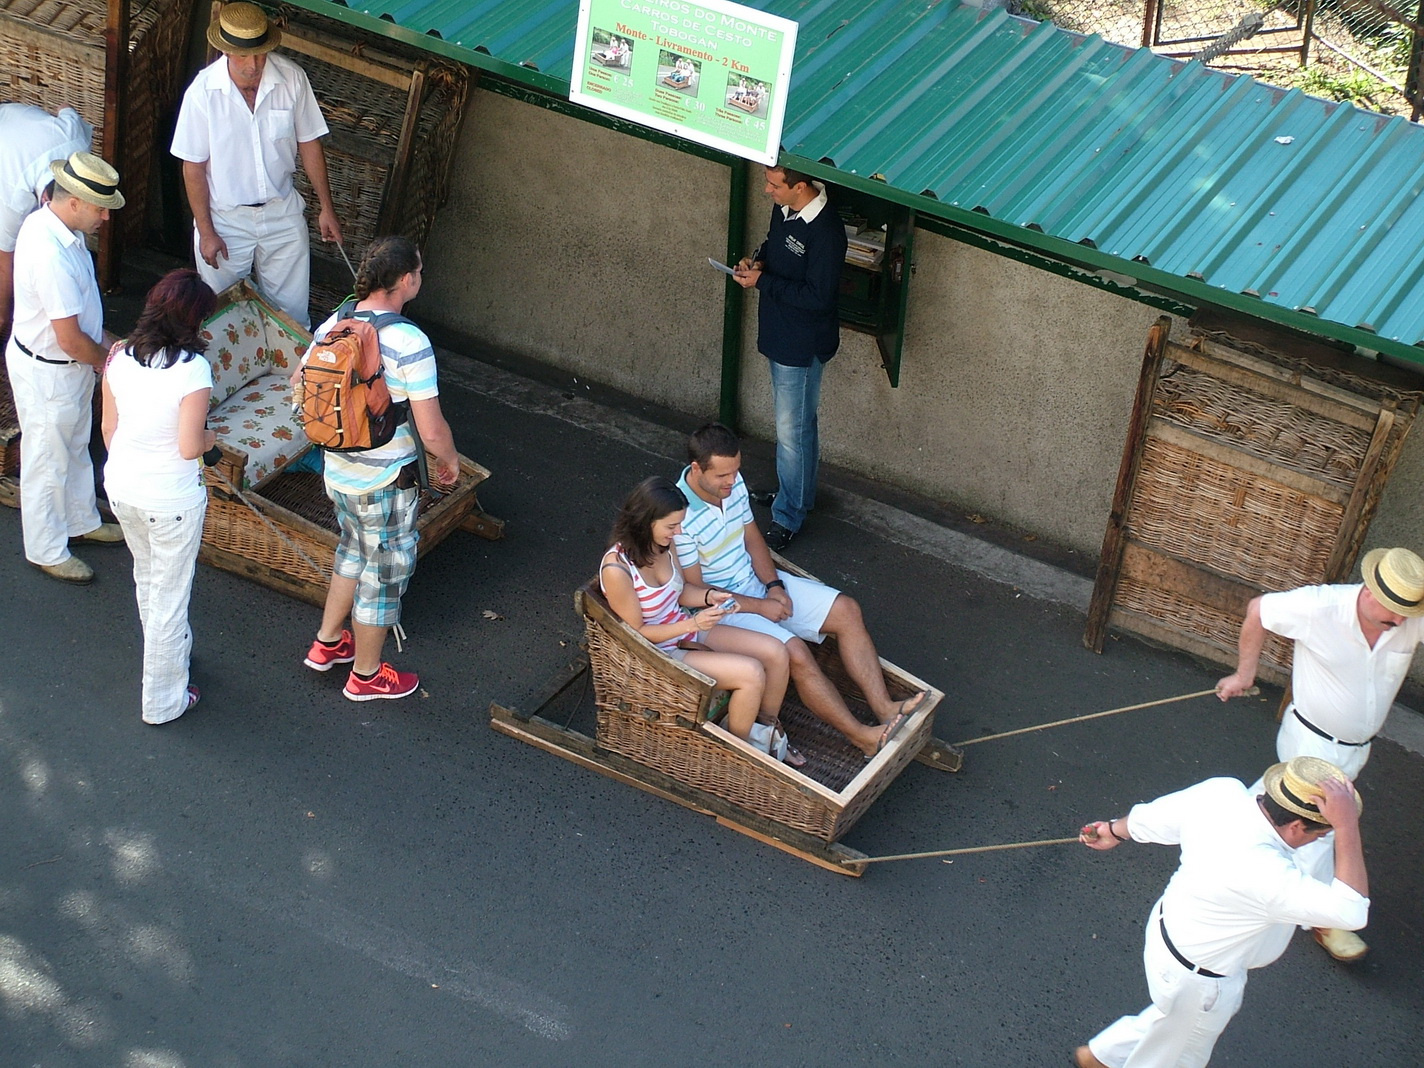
x,y
875,278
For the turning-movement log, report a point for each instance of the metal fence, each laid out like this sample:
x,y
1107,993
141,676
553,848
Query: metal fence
x,y
1364,51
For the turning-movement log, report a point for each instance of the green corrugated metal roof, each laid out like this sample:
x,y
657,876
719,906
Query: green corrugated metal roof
x,y
1205,186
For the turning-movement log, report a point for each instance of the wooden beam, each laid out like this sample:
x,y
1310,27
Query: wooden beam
x,y
584,751
1212,449
116,63
1349,537
346,60
1279,383
1110,557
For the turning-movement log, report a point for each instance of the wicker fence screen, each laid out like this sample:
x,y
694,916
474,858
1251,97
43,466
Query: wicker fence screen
x,y
52,55
1245,470
394,115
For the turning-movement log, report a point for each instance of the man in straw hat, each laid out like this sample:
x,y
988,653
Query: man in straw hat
x,y
1353,646
52,355
243,124
1236,898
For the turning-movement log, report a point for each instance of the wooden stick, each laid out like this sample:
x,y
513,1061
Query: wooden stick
x,y
972,849
1252,692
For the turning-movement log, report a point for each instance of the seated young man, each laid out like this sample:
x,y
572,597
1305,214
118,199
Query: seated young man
x,y
720,546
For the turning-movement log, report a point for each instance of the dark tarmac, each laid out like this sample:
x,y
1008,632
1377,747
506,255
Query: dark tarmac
x,y
284,878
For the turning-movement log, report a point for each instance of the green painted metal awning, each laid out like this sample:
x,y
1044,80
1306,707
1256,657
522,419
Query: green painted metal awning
x,y
1199,185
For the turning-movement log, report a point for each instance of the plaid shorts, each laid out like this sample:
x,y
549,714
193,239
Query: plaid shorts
x,y
377,549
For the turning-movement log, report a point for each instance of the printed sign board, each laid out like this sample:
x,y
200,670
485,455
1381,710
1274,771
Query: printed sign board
x,y
713,72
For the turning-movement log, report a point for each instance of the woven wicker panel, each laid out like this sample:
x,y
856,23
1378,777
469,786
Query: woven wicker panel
x,y
1229,520
231,526
648,713
1211,624
52,54
1270,429
366,116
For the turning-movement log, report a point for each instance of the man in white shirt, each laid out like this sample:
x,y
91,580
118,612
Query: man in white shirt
x,y
30,140
244,122
1353,648
53,353
1235,900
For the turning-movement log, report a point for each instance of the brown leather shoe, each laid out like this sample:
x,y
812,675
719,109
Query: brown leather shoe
x,y
1344,946
72,570
104,533
1083,1058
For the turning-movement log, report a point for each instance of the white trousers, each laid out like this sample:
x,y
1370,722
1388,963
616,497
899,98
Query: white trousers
x,y
1187,1015
56,474
271,245
165,552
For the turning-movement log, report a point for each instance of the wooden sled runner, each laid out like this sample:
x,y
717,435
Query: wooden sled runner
x,y
658,728
253,350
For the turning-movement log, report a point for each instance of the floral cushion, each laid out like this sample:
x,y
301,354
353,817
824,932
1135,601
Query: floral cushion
x,y
252,355
258,419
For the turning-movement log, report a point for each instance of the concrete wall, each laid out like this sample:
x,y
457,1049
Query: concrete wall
x,y
584,248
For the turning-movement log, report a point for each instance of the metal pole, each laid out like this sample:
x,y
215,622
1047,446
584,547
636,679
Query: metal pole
x,y
729,409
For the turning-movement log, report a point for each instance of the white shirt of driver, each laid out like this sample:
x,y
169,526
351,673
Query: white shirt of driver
x,y
54,279
1238,894
251,153
1338,682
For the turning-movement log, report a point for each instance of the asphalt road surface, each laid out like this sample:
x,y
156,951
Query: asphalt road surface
x,y
284,878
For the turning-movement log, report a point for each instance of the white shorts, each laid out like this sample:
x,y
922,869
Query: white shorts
x,y
810,605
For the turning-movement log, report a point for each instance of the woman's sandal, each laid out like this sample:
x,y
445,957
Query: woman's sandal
x,y
794,757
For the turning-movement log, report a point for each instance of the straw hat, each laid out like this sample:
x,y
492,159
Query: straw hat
x,y
1295,786
89,178
242,29
1396,578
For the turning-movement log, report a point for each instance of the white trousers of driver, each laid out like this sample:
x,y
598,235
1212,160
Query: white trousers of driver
x,y
54,403
271,245
1187,1015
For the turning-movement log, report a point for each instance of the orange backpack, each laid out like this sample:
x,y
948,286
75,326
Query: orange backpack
x,y
341,395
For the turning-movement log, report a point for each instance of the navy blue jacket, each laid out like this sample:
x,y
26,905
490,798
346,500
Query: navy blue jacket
x,y
800,284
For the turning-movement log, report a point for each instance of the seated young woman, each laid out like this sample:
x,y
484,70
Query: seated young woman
x,y
641,578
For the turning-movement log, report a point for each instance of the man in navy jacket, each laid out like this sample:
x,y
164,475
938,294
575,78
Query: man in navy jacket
x,y
797,270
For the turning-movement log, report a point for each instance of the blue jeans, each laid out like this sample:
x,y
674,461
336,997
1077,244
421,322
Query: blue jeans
x,y
796,395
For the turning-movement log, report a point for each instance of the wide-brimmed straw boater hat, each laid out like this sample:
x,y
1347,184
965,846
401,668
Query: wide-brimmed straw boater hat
x,y
1295,786
1396,578
242,29
89,178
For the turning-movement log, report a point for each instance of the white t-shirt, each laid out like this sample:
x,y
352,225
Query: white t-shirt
x,y
30,138
145,469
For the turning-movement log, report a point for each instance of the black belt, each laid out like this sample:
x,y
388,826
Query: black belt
x,y
1167,941
261,204
1328,737
35,356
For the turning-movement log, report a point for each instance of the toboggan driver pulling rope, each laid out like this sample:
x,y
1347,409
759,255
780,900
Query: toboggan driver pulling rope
x,y
1087,833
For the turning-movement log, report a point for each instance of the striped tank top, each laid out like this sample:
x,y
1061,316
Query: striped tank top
x,y
659,603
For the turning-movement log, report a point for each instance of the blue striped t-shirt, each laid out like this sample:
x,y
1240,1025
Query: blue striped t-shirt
x,y
713,538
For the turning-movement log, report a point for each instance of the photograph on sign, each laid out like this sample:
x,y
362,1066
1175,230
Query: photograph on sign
x,y
715,73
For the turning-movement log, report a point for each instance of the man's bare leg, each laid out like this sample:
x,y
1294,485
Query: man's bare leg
x,y
824,701
862,662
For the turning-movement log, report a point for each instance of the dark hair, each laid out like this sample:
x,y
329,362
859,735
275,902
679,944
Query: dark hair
x,y
711,440
650,500
51,188
385,263
1280,816
792,178
172,319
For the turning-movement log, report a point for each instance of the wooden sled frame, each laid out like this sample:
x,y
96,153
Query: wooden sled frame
x,y
697,713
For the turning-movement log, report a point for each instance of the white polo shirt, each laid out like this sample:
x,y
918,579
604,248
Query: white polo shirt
x,y
1237,895
1338,682
54,279
30,138
251,153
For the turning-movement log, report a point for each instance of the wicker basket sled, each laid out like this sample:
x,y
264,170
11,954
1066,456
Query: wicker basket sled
x,y
282,530
659,729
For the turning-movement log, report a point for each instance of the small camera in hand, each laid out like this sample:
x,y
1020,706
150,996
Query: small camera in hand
x,y
212,457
